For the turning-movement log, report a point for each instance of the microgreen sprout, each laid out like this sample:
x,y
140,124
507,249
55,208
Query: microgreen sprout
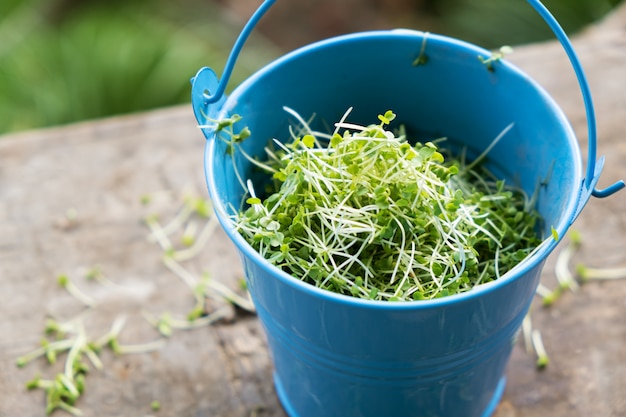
x,y
189,234
372,216
567,279
533,342
495,57
66,387
82,354
192,241
64,281
555,234
94,274
166,323
155,406
527,329
63,391
587,273
563,274
547,295
228,294
422,58
195,246
542,355
158,234
48,349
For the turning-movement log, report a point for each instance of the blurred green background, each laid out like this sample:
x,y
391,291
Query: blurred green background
x,y
63,61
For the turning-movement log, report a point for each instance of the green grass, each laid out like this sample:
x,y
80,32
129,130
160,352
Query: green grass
x,y
103,61
63,61
492,23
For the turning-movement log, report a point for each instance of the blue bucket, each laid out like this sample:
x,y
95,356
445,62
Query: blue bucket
x,y
340,356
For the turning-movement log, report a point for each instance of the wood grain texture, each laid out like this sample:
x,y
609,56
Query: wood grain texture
x,y
101,169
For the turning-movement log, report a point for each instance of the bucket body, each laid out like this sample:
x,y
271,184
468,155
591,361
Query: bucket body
x,y
340,356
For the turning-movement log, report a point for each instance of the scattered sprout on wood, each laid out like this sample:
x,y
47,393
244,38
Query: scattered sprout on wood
x,y
64,281
527,328
192,242
155,405
194,210
533,342
495,57
566,279
587,273
363,212
542,356
69,221
548,296
570,280
166,323
81,354
111,340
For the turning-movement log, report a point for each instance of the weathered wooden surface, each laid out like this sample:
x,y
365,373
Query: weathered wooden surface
x,y
101,169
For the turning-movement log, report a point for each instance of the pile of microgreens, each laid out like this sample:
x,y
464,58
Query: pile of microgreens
x,y
363,212
193,225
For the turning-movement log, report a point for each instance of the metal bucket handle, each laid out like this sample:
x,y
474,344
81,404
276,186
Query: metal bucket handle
x,y
208,96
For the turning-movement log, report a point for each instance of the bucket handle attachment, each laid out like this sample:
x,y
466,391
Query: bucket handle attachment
x,y
203,99
210,98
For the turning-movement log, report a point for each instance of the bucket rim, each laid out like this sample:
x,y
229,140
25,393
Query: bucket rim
x,y
530,262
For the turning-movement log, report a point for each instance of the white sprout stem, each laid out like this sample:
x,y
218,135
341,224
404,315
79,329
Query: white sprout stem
x,y
158,234
69,384
542,355
54,346
527,328
296,115
342,120
177,222
141,348
116,328
105,281
255,162
75,292
202,321
192,282
73,355
408,269
543,291
204,236
547,241
231,295
189,324
561,269
588,273
190,232
186,276
489,148
401,251
497,263
93,357
70,409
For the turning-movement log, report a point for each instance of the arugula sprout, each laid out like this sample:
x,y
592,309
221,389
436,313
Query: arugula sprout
x,y
495,57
